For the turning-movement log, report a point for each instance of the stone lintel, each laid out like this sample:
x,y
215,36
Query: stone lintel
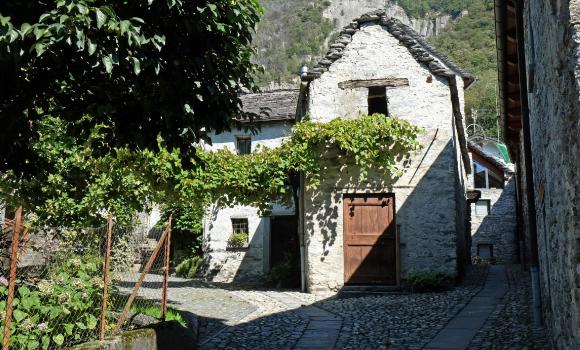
x,y
387,82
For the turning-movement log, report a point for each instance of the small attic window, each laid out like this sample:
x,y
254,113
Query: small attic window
x,y
244,145
378,100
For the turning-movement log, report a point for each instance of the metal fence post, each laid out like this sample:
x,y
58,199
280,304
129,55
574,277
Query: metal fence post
x,y
133,295
106,278
25,239
12,280
166,271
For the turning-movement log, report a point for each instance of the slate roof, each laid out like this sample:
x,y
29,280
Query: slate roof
x,y
419,47
270,106
499,163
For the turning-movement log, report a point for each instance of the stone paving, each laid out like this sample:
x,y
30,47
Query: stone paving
x,y
216,307
274,319
460,330
406,321
510,326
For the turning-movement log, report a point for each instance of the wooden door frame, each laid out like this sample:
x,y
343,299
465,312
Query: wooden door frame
x,y
392,195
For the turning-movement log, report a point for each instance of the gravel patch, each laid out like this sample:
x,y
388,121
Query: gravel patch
x,y
511,324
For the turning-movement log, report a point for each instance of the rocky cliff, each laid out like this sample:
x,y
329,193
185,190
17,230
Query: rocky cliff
x,y
342,12
297,32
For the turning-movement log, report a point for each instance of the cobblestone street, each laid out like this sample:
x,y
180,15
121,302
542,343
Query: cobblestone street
x,y
273,319
510,326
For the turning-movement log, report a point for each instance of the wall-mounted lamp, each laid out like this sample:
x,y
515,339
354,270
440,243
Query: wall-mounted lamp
x,y
304,71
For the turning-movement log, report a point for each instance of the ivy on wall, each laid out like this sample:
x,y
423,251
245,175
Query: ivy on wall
x,y
263,177
79,186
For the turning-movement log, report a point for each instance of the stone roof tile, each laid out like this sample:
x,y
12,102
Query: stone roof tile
x,y
270,106
419,47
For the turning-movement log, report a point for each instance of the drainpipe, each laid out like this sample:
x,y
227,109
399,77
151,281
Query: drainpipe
x,y
534,270
301,235
519,215
299,201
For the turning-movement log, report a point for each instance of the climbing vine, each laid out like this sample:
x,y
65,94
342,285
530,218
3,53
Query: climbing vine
x,y
259,178
264,176
82,183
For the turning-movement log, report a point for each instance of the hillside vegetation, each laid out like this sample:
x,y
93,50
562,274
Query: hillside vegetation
x,y
470,42
422,8
293,33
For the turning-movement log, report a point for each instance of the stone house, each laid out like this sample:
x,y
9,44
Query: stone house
x,y
251,262
539,78
377,231
493,215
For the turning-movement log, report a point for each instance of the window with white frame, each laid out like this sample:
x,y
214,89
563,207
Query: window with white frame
x,y
244,145
240,233
481,207
484,178
240,226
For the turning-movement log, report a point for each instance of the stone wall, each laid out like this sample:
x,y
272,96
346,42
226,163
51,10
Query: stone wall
x,y
552,33
269,135
251,263
425,213
163,335
425,196
235,264
374,53
499,226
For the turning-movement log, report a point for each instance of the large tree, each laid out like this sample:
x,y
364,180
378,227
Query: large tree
x,y
136,69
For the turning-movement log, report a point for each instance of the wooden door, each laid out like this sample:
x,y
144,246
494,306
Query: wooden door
x,y
370,251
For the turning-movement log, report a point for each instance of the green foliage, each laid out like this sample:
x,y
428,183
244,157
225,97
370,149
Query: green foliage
x,y
374,141
238,240
189,267
422,8
136,69
290,34
470,42
79,185
426,281
63,310
263,177
293,33
155,311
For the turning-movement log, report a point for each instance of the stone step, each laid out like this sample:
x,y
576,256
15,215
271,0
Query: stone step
x,y
350,291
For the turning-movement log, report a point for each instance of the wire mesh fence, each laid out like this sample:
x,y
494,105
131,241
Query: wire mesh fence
x,y
61,287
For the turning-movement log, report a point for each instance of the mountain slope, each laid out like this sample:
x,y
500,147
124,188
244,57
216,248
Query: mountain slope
x,y
293,33
290,34
470,42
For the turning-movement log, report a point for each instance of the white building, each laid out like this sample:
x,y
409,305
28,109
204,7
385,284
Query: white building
x,y
267,233
393,226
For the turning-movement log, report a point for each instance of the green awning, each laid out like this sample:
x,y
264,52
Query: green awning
x,y
504,152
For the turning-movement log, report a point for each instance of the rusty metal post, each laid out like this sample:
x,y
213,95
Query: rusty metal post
x,y
25,239
140,282
166,270
106,278
12,280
